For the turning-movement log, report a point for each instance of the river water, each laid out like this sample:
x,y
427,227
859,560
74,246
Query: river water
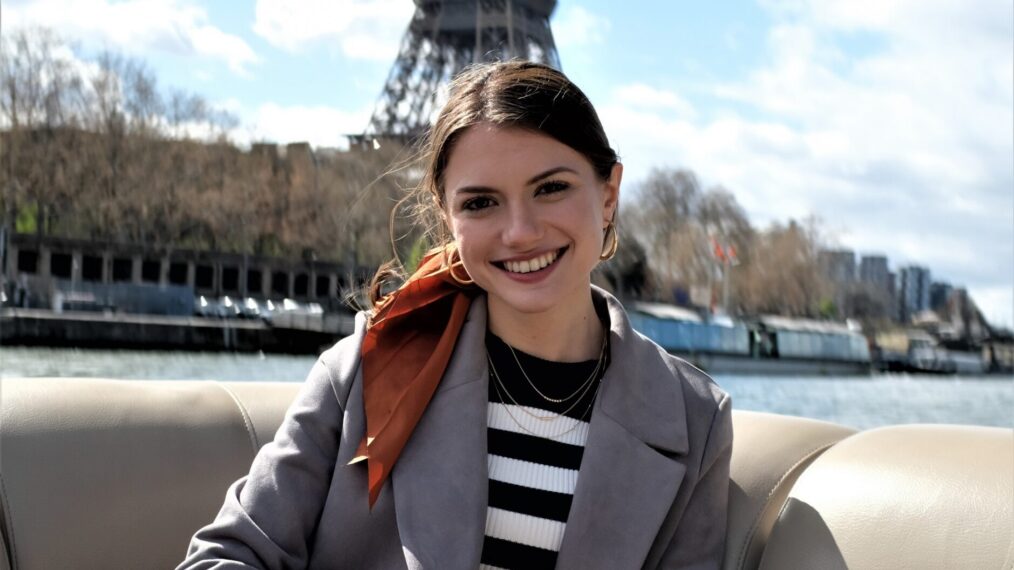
x,y
860,402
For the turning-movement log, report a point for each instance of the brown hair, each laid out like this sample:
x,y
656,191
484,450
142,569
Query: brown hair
x,y
518,94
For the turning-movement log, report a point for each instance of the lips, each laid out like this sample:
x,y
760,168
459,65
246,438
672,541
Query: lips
x,y
531,265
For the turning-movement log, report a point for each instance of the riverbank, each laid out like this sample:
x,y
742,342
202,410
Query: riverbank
x,y
87,329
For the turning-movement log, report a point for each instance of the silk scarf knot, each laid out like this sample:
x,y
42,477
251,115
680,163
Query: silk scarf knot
x,y
407,348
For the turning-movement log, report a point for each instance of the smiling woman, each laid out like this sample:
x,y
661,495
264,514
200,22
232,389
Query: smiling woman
x,y
528,215
496,410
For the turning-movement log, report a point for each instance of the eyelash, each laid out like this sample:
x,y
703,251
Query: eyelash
x,y
482,202
554,186
472,204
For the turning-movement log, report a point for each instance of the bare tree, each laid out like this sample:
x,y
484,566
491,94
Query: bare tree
x,y
680,225
662,208
783,275
40,93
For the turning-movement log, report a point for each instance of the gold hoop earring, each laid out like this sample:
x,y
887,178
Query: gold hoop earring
x,y
614,245
449,253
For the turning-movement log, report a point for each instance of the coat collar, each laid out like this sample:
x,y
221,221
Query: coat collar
x,y
629,476
440,480
640,390
632,468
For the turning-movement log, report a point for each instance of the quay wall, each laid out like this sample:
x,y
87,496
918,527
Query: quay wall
x,y
212,274
35,327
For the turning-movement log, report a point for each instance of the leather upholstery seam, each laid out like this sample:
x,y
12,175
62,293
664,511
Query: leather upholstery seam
x,y
8,523
247,422
740,560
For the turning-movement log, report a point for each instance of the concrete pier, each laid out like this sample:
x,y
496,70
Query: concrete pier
x,y
38,327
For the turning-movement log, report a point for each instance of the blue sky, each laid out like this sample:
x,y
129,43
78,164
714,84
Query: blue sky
x,y
890,120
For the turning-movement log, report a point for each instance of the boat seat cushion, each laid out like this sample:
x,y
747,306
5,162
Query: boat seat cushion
x,y
912,496
769,453
99,473
119,474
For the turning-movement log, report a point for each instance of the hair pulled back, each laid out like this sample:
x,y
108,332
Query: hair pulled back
x,y
518,94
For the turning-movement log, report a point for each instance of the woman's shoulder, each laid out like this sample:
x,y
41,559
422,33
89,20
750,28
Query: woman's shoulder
x,y
339,364
665,398
697,385
699,389
706,407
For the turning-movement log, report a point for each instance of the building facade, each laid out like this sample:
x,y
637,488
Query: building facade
x,y
873,270
839,265
876,283
940,292
913,291
50,264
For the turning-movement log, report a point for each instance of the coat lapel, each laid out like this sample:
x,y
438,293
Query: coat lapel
x,y
440,480
632,466
630,474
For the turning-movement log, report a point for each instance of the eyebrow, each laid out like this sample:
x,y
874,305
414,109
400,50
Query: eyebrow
x,y
532,180
548,173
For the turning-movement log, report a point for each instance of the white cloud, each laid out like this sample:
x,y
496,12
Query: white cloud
x,y
319,125
137,26
648,97
575,27
905,147
362,29
919,21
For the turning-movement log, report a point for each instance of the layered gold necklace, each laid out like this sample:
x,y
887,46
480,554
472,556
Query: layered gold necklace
x,y
578,394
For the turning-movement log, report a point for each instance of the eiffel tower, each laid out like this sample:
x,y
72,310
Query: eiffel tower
x,y
444,37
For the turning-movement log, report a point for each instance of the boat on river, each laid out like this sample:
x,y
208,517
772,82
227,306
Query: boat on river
x,y
764,345
917,352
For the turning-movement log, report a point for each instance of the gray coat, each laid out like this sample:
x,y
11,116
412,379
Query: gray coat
x,y
651,491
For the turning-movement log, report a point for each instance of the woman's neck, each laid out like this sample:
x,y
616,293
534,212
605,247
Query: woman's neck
x,y
567,333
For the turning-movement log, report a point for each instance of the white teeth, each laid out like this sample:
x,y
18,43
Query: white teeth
x,y
529,265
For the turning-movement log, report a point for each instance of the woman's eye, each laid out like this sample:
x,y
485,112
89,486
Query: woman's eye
x,y
552,187
477,203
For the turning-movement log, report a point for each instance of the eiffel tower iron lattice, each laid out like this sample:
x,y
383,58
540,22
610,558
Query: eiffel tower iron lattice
x,y
443,38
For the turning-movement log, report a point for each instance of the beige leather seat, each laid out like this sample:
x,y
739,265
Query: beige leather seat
x,y
119,474
769,453
913,496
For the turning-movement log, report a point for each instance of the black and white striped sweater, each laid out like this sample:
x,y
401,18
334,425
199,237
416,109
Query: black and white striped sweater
x,y
533,463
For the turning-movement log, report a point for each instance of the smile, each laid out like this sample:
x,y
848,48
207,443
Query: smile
x,y
531,265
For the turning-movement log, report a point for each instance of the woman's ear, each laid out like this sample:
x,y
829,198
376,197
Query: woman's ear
x,y
612,193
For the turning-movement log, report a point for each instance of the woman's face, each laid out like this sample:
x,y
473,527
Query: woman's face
x,y
528,215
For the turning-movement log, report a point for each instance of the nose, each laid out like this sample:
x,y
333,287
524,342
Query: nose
x,y
523,228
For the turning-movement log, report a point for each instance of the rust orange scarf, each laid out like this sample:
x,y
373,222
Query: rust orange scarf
x,y
405,352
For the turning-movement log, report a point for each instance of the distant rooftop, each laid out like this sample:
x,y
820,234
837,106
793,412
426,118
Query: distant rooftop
x,y
663,311
807,325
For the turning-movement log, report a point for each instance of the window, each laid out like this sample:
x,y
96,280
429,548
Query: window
x,y
323,287
123,267
280,283
91,268
301,287
151,270
254,281
205,277
61,265
28,261
178,273
230,279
